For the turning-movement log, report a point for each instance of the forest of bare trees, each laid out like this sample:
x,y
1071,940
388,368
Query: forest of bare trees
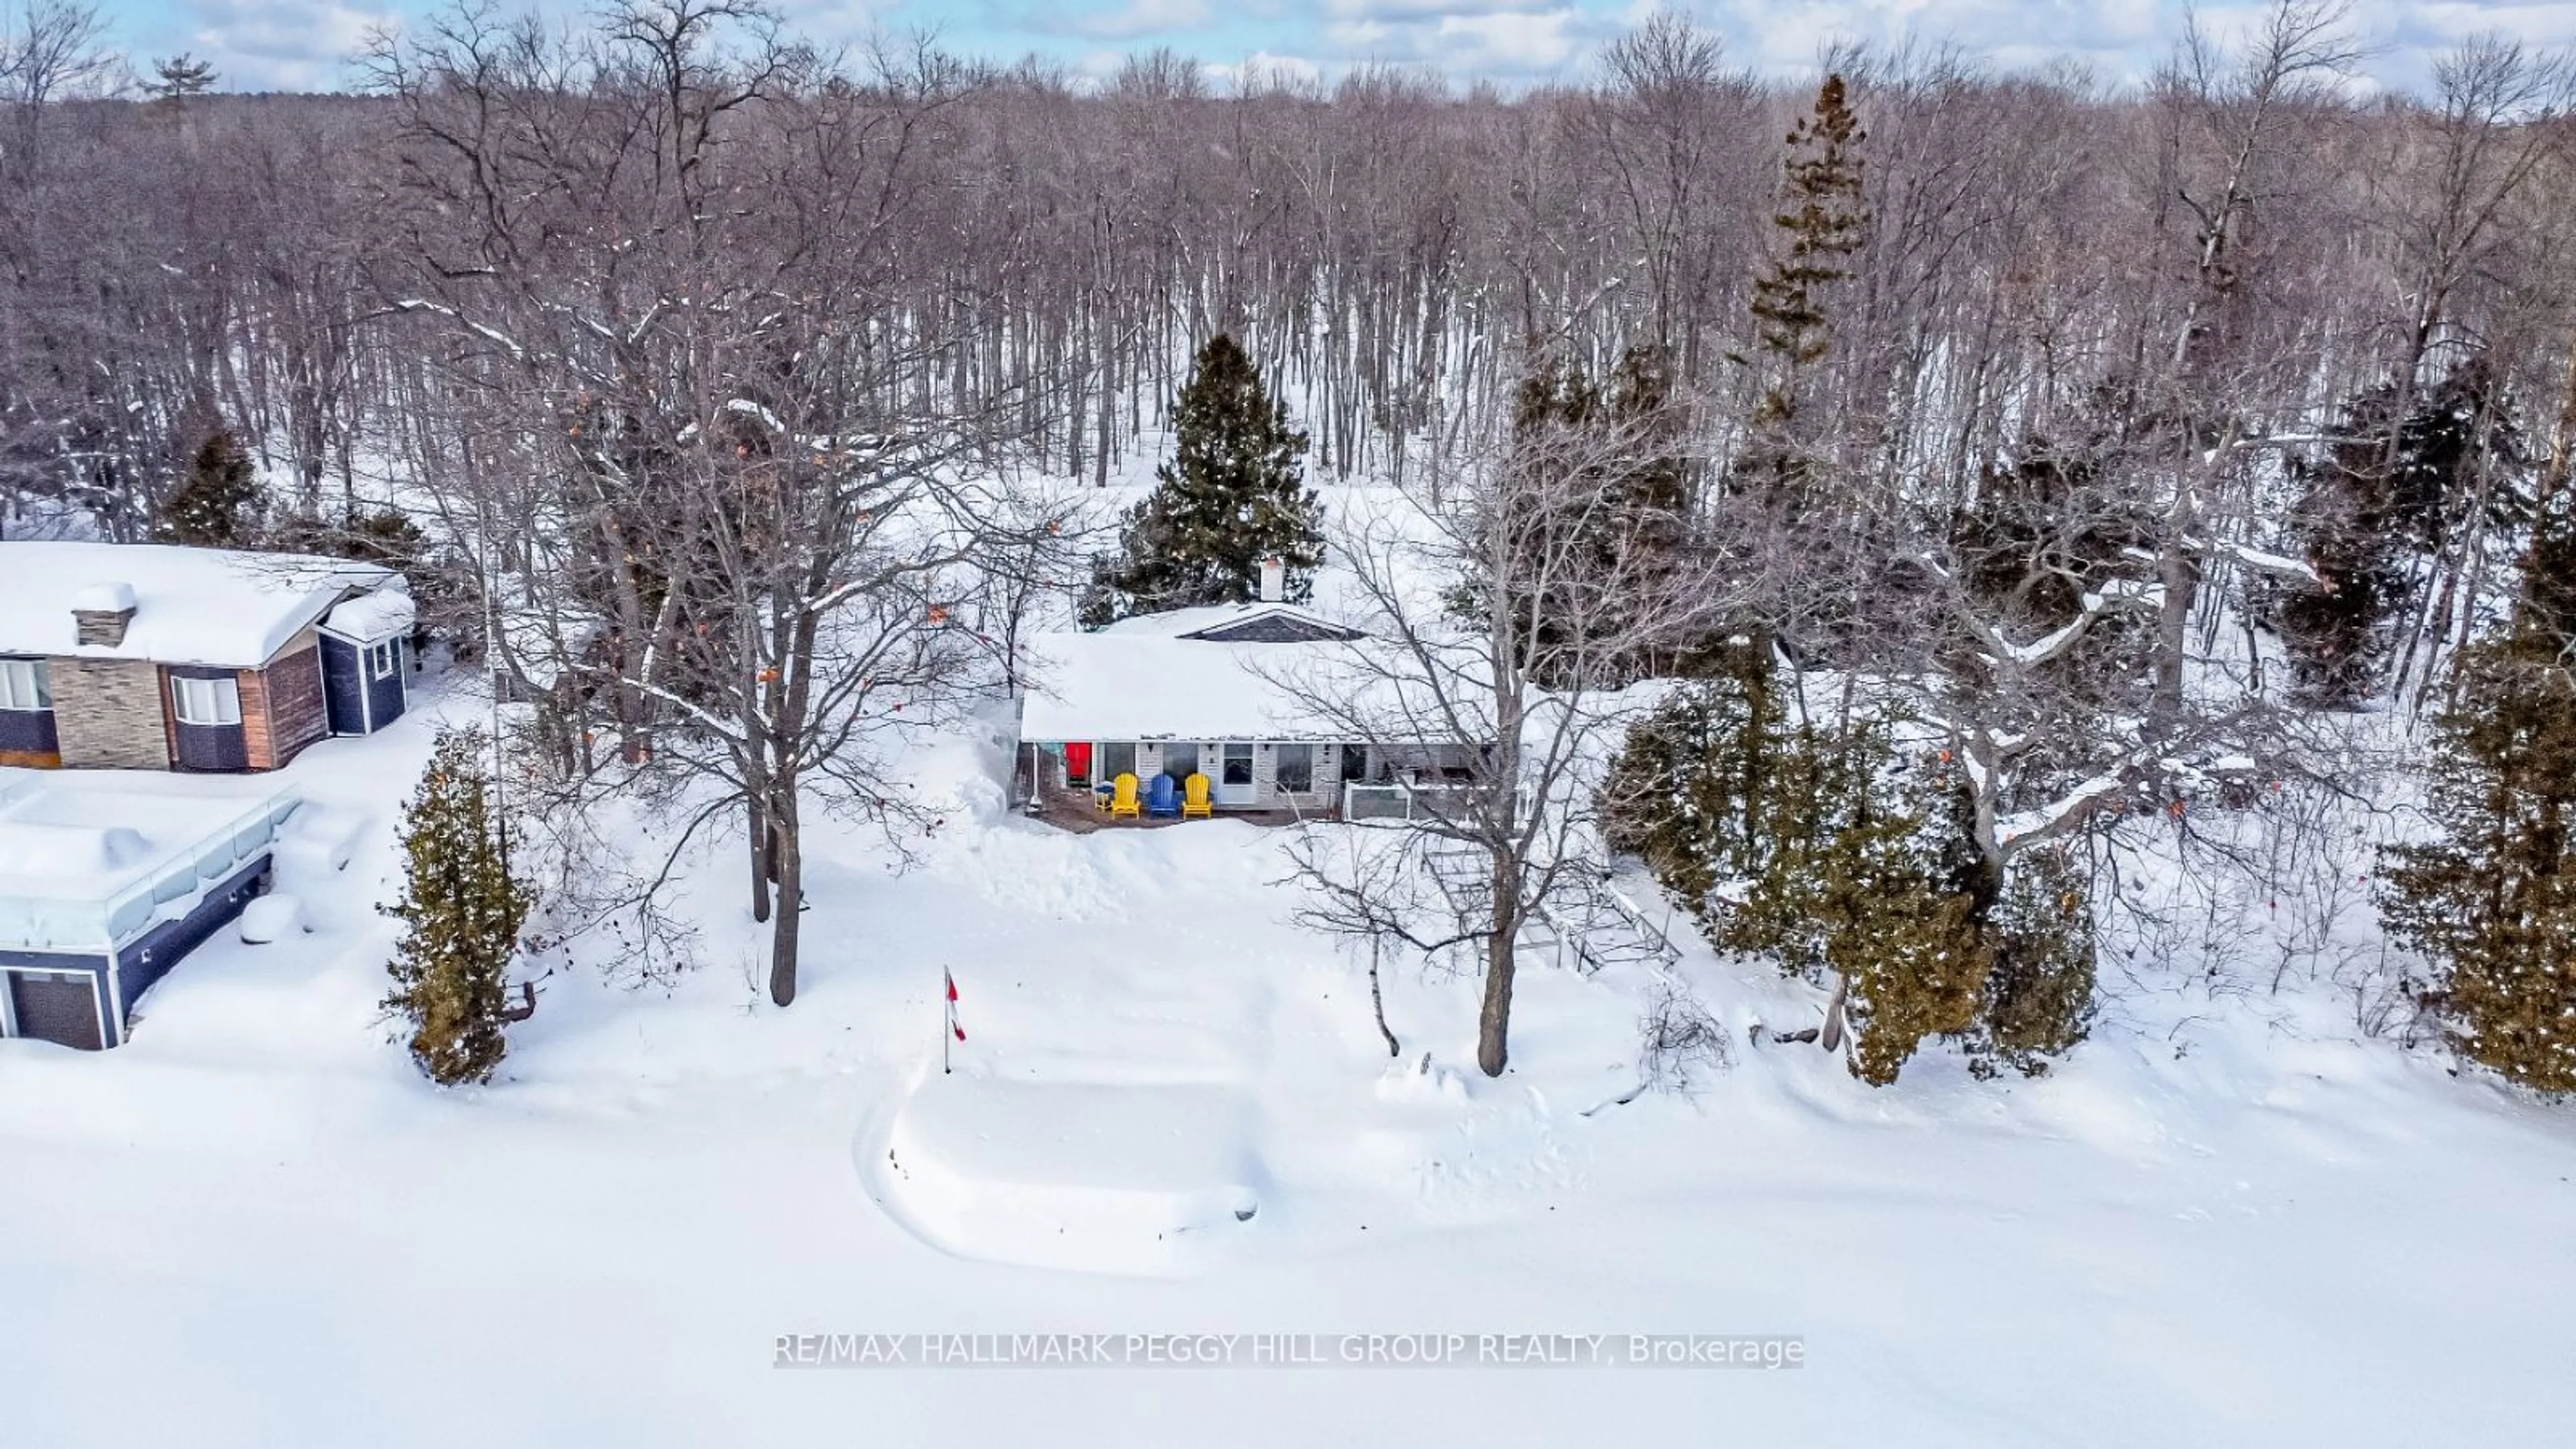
x,y
1390,246
2012,366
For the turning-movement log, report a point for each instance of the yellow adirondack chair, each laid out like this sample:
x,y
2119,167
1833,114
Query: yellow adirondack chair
x,y
1123,800
1194,797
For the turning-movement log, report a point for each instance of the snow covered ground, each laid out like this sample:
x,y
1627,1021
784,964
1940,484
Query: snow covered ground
x,y
256,1225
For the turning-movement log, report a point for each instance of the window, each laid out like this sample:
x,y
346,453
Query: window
x,y
1295,774
1180,761
1235,765
383,659
207,701
1117,757
23,685
1354,764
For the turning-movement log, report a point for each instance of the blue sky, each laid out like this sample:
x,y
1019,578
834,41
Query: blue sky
x,y
299,44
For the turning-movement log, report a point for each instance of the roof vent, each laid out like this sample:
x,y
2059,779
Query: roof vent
x,y
101,612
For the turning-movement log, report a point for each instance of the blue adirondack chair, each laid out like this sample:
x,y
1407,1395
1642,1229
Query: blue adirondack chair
x,y
1163,798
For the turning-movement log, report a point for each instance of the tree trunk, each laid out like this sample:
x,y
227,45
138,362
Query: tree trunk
x,y
787,860
1377,1004
757,832
1494,1023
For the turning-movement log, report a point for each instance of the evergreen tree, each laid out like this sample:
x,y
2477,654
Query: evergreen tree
x,y
2490,901
1234,495
1611,468
461,911
1820,228
2388,492
180,77
218,505
1814,848
1907,943
1686,793
2037,1002
1781,472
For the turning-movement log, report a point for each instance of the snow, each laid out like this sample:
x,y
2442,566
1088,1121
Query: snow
x,y
2218,1222
1138,686
91,857
104,598
369,618
210,607
270,918
69,852
1177,623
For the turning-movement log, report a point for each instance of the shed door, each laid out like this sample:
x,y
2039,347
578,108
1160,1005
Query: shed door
x,y
57,1006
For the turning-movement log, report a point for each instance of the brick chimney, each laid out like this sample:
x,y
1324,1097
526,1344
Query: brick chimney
x,y
101,612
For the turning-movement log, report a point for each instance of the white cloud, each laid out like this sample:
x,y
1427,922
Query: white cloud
x,y
1262,66
259,45
1502,42
1143,17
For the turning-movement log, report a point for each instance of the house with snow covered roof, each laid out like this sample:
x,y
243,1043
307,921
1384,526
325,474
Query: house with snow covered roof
x,y
1235,692
158,657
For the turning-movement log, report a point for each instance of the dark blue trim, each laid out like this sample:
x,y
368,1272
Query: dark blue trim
x,y
218,749
29,731
356,702
142,962
344,686
150,956
93,966
385,696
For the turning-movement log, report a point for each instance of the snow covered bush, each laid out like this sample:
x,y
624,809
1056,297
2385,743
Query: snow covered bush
x,y
2037,1002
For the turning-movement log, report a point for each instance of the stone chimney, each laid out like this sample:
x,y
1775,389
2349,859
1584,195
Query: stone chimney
x,y
101,612
1274,581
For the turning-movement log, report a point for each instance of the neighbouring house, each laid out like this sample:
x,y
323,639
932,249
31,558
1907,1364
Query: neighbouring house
x,y
107,880
156,657
1229,692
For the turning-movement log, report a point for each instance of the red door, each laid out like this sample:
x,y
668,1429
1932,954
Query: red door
x,y
1077,763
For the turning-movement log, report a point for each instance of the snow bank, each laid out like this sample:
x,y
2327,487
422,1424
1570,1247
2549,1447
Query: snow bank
x,y
70,852
1099,1177
271,917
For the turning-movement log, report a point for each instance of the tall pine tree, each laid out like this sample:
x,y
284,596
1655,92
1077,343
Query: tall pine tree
x,y
1234,494
2490,901
218,505
1820,226
461,911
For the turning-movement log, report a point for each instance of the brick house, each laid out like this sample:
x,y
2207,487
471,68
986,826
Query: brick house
x,y
155,657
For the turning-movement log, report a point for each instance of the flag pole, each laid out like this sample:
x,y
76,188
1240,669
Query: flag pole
x,y
947,1017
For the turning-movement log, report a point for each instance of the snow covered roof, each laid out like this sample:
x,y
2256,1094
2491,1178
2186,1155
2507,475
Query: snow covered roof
x,y
1238,623
370,617
1118,686
79,849
217,607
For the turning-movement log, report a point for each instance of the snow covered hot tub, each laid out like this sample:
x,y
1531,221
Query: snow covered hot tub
x,y
107,880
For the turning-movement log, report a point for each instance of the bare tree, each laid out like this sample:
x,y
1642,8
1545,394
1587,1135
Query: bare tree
x,y
1511,601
